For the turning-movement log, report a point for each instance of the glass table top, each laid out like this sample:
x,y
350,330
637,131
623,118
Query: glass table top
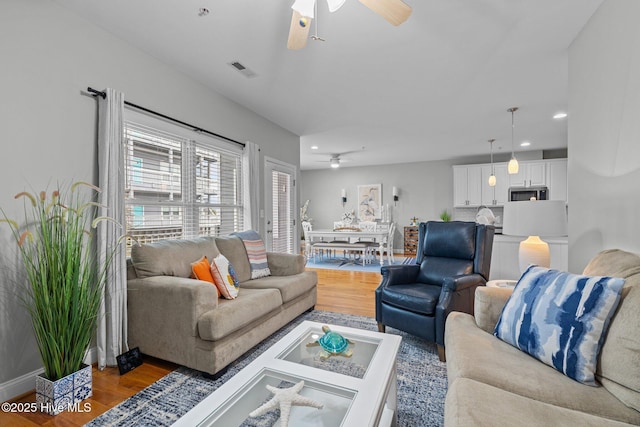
x,y
356,365
236,409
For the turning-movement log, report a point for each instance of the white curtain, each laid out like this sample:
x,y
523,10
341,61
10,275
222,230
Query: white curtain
x,y
251,183
112,321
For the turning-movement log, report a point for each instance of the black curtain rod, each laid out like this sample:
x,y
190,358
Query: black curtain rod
x,y
155,113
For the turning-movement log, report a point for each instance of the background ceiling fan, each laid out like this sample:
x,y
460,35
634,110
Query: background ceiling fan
x,y
335,159
394,11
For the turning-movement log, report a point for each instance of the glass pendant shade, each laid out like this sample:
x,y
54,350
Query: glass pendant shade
x,y
513,166
335,4
304,7
492,177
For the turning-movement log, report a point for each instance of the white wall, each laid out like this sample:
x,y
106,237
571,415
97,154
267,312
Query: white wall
x,y
425,190
604,133
47,128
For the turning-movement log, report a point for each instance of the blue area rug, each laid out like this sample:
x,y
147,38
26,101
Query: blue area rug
x,y
349,264
422,382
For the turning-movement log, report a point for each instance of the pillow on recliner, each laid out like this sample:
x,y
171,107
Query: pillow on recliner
x,y
560,319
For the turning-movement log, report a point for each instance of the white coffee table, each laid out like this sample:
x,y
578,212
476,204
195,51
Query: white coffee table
x,y
367,399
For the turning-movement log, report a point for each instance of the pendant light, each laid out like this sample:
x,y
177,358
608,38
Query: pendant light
x,y
513,163
492,177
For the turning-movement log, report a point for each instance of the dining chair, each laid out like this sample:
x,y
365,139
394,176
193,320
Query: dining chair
x,y
388,244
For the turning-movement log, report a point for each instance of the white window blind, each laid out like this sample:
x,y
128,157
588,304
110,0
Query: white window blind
x,y
180,186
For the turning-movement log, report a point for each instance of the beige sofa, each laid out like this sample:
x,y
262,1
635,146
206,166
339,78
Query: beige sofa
x,y
492,383
182,320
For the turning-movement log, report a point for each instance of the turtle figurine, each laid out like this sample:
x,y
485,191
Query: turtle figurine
x,y
332,343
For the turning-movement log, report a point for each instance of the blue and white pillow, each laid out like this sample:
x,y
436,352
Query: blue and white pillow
x,y
560,319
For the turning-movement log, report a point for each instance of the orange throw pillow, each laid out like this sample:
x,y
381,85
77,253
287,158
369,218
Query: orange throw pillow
x,y
201,270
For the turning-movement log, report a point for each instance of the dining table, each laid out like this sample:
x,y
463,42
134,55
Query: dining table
x,y
347,235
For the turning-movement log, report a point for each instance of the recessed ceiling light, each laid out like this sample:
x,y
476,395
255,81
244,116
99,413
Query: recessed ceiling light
x,y
560,115
314,147
525,144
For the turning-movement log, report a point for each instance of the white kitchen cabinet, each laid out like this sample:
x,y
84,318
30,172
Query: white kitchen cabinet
x,y
471,182
557,179
495,196
530,174
467,185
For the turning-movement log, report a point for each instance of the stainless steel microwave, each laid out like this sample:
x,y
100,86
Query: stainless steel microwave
x,y
519,194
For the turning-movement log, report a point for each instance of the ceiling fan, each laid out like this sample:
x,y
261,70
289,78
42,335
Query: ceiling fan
x,y
335,159
394,11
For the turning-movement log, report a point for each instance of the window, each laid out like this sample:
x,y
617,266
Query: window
x,y
180,185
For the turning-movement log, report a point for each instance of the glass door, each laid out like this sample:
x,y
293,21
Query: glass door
x,y
280,203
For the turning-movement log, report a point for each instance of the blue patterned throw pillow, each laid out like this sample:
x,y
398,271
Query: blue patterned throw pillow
x,y
560,319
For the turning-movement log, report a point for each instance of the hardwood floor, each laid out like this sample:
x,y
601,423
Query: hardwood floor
x,y
347,292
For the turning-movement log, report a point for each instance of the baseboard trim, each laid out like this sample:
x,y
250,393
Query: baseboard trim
x,y
26,383
19,386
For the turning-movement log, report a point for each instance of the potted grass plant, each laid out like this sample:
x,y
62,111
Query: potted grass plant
x,y
445,216
63,288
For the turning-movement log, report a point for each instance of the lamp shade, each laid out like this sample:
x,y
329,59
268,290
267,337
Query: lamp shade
x,y
535,218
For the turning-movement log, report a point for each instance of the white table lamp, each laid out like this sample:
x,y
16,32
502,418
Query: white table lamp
x,y
546,218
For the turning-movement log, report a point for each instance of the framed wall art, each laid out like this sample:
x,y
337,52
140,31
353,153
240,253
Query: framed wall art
x,y
369,202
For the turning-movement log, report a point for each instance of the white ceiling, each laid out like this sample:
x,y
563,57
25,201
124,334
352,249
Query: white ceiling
x,y
436,87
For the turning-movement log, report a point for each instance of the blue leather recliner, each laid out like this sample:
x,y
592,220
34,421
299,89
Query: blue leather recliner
x,y
452,260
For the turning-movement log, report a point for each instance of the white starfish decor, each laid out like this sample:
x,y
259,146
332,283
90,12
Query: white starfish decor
x,y
285,398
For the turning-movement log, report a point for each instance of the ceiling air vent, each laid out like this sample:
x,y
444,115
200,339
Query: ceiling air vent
x,y
242,69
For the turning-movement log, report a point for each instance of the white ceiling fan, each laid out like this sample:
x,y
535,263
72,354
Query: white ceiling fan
x,y
394,11
335,159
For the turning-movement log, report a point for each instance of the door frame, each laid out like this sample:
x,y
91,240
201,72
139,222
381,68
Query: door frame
x,y
271,163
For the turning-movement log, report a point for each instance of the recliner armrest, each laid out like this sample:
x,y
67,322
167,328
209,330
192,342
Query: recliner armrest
x,y
458,283
456,295
282,264
399,274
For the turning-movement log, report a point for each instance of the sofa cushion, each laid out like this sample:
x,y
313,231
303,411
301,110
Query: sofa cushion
x,y
560,318
232,315
478,355
232,248
471,403
290,287
620,354
171,257
224,277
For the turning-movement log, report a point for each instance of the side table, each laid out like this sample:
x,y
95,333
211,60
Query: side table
x,y
502,283
410,240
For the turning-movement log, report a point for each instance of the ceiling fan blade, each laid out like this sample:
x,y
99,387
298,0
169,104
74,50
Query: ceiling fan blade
x,y
394,11
335,4
299,31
